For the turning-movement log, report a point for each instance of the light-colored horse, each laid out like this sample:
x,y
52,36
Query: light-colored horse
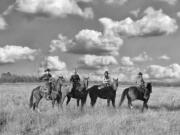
x,y
80,94
38,93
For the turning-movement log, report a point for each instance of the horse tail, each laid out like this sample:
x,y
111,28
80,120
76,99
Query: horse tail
x,y
123,96
31,99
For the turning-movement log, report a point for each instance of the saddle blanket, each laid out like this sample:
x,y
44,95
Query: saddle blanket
x,y
43,88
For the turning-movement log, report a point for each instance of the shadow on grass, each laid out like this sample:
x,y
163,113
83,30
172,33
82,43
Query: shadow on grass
x,y
160,107
166,107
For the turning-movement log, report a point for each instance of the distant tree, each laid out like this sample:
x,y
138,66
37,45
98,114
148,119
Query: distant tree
x,y
12,78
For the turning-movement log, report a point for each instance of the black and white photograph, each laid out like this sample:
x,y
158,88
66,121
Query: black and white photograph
x,y
89,67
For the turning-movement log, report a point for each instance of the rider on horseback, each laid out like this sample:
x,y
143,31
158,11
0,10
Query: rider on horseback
x,y
106,80
75,79
46,77
141,83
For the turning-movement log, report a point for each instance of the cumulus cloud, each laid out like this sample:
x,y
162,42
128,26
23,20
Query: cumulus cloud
x,y
62,43
154,22
8,10
170,2
178,14
88,42
143,57
126,61
53,63
3,23
130,61
164,72
95,42
96,62
12,53
57,8
135,12
164,57
119,2
128,73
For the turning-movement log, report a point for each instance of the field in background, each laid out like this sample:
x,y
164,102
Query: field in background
x,y
162,118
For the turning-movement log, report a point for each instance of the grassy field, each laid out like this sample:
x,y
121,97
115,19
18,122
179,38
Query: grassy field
x,y
162,118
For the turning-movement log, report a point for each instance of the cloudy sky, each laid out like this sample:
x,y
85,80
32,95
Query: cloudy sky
x,y
122,36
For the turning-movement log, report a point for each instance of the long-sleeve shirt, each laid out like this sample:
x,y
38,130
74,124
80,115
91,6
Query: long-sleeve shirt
x,y
75,78
106,80
45,77
140,81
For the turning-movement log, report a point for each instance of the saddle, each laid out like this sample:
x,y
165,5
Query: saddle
x,y
141,88
103,86
76,86
44,88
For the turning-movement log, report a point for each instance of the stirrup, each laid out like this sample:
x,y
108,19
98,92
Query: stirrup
x,y
48,97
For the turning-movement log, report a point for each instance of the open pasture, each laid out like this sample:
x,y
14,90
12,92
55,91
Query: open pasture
x,y
162,118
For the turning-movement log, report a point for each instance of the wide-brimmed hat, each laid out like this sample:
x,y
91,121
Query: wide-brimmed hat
x,y
140,73
47,70
106,72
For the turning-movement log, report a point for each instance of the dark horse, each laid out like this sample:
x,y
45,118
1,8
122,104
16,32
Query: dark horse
x,y
37,94
134,93
80,95
108,93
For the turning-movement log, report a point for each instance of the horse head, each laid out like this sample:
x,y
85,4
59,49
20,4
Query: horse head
x,y
59,82
52,81
149,87
115,83
86,82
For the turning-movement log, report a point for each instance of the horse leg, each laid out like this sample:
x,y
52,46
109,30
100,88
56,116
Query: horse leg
x,y
53,102
144,106
93,101
68,100
62,100
58,102
82,104
113,102
130,103
78,102
36,104
108,102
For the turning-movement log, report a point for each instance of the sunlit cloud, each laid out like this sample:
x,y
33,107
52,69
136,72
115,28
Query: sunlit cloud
x,y
55,8
12,53
154,23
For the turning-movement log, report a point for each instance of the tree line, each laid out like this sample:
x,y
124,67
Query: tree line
x,y
13,78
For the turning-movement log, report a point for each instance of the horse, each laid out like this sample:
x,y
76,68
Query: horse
x,y
80,94
108,93
37,93
134,93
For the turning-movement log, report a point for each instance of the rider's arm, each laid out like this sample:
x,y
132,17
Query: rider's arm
x,y
50,75
142,81
71,79
41,77
104,80
78,78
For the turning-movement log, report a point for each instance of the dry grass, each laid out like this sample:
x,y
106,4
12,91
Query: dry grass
x,y
163,117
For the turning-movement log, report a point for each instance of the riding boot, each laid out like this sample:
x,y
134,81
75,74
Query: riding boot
x,y
49,95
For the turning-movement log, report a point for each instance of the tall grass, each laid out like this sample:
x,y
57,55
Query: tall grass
x,y
162,118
